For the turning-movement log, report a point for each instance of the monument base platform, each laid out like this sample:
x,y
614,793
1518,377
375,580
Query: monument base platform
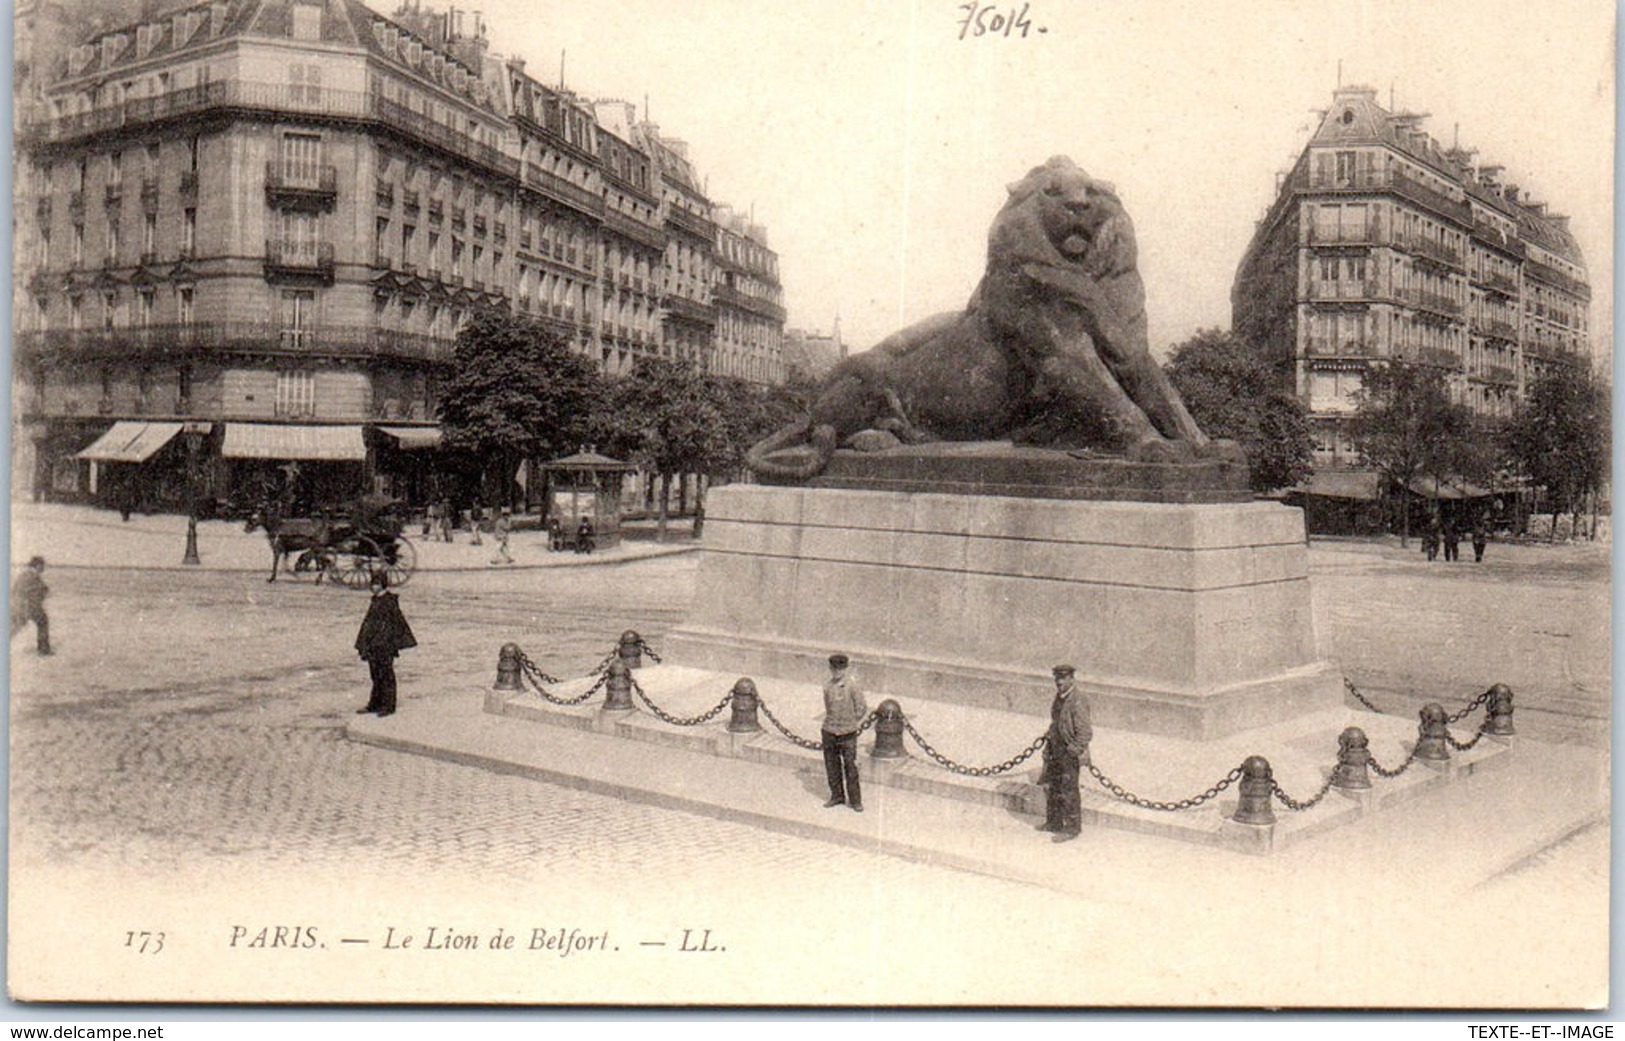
x,y
1185,620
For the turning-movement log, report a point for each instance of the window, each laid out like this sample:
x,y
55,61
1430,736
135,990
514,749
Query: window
x,y
45,246
113,241
301,158
456,259
149,237
80,171
76,312
298,307
145,310
307,21
407,233
299,237
115,169
152,158
78,245
183,305
189,232
295,393
109,311
305,83
191,153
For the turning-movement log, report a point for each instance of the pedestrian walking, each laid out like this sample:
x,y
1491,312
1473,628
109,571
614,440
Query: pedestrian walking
x,y
448,517
431,520
501,529
1066,752
1452,543
844,713
1481,539
584,540
28,595
476,513
555,535
384,634
1430,543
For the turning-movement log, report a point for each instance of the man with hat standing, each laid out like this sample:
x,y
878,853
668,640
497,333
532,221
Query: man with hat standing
x,y
844,712
1066,751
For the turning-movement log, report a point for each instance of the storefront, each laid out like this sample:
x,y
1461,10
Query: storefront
x,y
302,468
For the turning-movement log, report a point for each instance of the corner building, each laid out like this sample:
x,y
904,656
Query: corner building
x,y
249,230
1382,244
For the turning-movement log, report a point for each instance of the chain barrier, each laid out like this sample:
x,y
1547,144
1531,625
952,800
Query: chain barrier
x,y
1151,804
537,677
678,721
1467,746
1348,685
1293,804
643,645
603,666
1459,716
973,771
1383,771
816,746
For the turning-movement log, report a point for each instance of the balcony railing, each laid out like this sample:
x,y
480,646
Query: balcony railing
x,y
1495,327
384,193
561,190
635,230
1427,300
288,257
1424,247
300,184
1399,183
113,194
235,337
1552,276
1439,356
1342,289
693,224
409,202
149,193
437,211
765,308
1323,347
1499,374
1500,282
1345,236
499,231
1488,233
459,219
479,225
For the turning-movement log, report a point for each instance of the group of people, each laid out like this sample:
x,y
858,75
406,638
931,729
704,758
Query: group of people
x,y
1066,747
1447,538
585,538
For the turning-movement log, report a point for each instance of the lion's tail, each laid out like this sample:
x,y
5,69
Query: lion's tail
x,y
821,441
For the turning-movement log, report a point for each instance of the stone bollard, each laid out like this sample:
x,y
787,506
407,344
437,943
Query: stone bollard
x,y
508,668
1257,786
888,732
1431,734
618,688
630,649
1500,712
1353,760
745,703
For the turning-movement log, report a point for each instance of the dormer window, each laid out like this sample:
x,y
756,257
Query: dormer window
x,y
307,21
1347,117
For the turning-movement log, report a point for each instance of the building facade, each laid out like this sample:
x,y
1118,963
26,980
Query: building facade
x,y
249,230
1382,244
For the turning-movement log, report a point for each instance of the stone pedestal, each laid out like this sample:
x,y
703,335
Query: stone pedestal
x,y
1187,620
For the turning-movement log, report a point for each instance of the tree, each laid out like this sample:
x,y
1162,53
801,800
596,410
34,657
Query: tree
x,y
1232,392
517,392
1559,437
665,417
1406,426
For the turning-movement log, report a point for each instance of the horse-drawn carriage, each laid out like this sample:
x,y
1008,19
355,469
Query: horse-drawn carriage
x,y
345,546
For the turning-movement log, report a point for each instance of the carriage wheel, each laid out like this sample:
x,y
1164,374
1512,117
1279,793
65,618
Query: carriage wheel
x,y
354,561
401,562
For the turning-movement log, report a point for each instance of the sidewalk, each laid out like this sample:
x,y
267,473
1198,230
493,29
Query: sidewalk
x,y
70,536
1426,829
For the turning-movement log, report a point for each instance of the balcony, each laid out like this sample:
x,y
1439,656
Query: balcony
x,y
188,185
302,260
437,211
383,261
384,194
1496,328
479,225
76,204
1507,285
524,240
1427,249
695,225
459,218
1499,374
635,230
1367,235
409,203
301,186
113,194
477,285
1553,277
355,341
149,194
499,232
1428,301
730,296
560,190
1400,184
1440,357
1323,347
432,273
1490,235
1334,290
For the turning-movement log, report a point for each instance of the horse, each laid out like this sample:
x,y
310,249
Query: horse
x,y
289,535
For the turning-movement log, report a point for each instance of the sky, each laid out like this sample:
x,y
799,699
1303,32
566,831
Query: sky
x,y
874,138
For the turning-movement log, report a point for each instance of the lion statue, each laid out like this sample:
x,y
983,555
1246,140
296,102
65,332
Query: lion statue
x,y
1051,351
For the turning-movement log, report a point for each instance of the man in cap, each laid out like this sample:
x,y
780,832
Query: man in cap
x,y
28,595
384,634
844,712
1066,750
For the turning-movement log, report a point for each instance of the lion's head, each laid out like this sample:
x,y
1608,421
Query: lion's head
x,y
1060,215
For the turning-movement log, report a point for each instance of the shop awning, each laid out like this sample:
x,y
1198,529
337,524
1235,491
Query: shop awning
x,y
1429,488
1342,484
130,442
275,441
408,438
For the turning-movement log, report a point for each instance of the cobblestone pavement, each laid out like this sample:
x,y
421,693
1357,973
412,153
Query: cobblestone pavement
x,y
192,721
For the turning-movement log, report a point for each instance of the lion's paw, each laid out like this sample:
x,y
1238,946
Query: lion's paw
x,y
1160,450
1224,450
873,441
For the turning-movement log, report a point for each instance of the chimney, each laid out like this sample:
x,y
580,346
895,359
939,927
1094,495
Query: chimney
x,y
1511,193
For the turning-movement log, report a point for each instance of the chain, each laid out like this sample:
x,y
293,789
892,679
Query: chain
x,y
1467,746
868,721
973,771
1361,698
537,677
643,645
1293,804
1401,768
1184,804
1457,718
692,721
603,666
815,746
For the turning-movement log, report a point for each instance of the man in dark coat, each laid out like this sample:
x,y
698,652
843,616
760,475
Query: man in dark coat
x,y
1066,750
384,634
1481,538
28,595
584,542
